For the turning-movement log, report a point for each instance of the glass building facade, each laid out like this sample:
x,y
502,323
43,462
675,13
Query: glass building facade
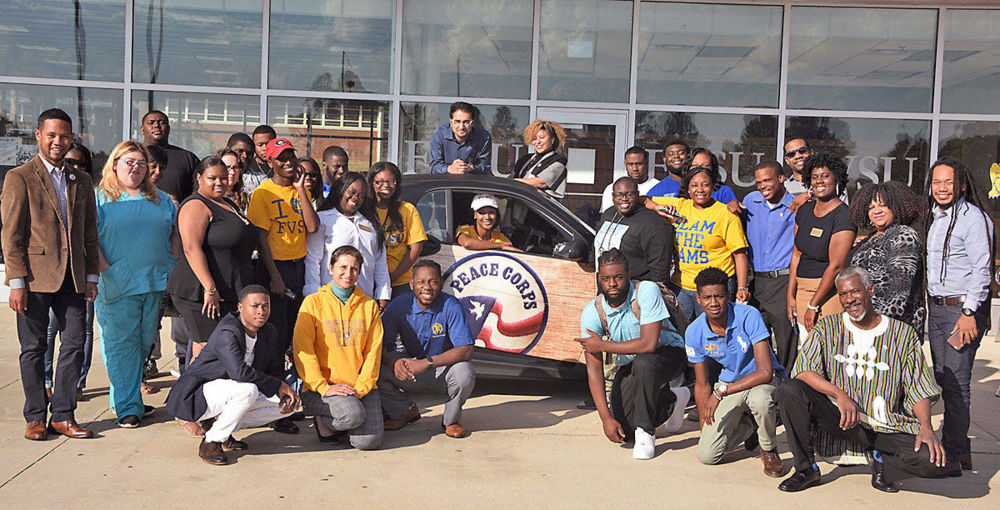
x,y
888,87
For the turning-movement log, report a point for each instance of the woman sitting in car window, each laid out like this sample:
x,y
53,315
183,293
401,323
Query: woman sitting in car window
x,y
484,235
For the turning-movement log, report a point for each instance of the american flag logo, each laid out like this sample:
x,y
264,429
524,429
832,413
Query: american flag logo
x,y
503,299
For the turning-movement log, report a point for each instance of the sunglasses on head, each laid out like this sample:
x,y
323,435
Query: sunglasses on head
x,y
801,150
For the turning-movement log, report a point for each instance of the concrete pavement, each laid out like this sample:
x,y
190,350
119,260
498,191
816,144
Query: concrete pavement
x,y
530,447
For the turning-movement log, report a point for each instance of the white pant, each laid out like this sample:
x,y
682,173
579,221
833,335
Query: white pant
x,y
236,406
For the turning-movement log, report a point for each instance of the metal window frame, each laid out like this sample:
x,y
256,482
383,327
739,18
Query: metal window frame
x,y
395,97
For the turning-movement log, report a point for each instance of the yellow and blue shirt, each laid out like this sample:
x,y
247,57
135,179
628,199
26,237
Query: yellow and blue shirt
x,y
426,332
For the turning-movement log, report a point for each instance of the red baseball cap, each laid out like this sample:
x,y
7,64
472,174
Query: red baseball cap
x,y
276,147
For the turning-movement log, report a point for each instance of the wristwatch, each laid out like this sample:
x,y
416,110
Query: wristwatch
x,y
430,361
720,390
968,312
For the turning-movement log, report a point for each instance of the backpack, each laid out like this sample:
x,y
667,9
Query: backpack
x,y
676,316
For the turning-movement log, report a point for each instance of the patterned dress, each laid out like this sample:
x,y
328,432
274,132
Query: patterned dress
x,y
882,370
895,263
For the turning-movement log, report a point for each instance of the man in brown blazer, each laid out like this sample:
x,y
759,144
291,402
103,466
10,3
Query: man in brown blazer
x,y
49,238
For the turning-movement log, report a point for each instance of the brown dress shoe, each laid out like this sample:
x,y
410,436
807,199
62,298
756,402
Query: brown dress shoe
x,y
772,464
69,428
211,452
409,416
455,430
35,431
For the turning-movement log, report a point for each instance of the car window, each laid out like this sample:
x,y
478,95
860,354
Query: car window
x,y
527,228
433,208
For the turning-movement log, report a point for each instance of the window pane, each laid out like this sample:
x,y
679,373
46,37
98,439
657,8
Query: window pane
x,y
714,55
479,48
977,144
200,123
198,42
971,62
334,45
82,39
875,150
861,59
585,48
419,120
359,127
739,141
96,114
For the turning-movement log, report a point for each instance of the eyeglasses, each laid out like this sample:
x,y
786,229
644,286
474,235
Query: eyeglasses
x,y
461,122
801,150
132,163
384,182
624,194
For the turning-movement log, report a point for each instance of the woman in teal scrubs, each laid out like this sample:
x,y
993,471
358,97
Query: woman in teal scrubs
x,y
137,237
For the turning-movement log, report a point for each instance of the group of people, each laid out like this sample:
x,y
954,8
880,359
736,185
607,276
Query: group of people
x,y
792,307
293,279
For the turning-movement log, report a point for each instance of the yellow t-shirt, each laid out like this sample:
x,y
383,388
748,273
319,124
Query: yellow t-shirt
x,y
277,210
707,239
398,239
470,230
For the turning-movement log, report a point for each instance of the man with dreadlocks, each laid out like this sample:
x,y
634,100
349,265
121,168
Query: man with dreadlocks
x,y
959,265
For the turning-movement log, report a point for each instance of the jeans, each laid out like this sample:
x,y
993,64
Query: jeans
x,y
688,299
88,347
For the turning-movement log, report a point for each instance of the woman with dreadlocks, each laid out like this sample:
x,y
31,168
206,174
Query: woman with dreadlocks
x,y
959,266
892,252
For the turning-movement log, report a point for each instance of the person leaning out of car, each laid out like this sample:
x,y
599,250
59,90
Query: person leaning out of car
x,y
484,234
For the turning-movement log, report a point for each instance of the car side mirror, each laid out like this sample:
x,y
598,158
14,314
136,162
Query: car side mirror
x,y
431,246
575,249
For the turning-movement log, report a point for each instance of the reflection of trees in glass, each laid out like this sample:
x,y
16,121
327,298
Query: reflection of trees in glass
x,y
908,147
821,133
655,129
758,136
503,126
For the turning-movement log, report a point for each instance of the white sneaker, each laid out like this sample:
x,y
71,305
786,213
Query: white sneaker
x,y
645,445
676,419
174,372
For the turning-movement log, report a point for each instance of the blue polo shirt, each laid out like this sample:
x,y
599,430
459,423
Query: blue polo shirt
x,y
734,351
669,188
477,149
622,322
426,332
771,232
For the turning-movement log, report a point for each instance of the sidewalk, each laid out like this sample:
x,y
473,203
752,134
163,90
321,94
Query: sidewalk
x,y
529,448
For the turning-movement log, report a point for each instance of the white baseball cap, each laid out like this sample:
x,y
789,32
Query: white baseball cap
x,y
484,200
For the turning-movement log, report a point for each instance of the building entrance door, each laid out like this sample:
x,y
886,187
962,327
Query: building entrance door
x,y
595,142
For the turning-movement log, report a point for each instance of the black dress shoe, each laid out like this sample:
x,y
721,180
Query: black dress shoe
x,y
878,475
297,416
332,438
285,426
587,404
233,444
800,480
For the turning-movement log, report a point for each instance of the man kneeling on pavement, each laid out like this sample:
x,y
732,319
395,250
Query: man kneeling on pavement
x,y
437,348
861,376
630,321
740,407
236,381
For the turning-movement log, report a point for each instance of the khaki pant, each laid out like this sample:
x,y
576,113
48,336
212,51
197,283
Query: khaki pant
x,y
805,291
734,422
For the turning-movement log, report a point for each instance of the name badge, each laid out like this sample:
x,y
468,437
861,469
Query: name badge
x,y
366,228
816,232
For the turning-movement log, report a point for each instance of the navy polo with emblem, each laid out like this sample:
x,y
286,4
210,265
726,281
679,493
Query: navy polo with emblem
x,y
426,332
733,350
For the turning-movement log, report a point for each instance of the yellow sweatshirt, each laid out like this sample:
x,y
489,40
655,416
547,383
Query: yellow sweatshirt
x,y
338,343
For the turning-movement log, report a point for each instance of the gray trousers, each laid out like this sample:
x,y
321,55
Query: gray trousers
x,y
360,417
953,371
734,422
458,379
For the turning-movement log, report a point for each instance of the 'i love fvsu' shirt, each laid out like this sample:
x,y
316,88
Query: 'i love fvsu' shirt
x,y
278,210
707,239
